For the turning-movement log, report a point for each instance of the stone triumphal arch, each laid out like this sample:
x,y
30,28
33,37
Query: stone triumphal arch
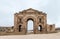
x,y
39,19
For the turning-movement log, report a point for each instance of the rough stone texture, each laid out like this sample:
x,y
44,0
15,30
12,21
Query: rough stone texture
x,y
39,19
51,28
6,29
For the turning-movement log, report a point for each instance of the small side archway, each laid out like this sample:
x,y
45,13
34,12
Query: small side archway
x,y
20,28
40,28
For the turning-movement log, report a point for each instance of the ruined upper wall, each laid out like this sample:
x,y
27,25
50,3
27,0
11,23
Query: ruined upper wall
x,y
6,29
51,28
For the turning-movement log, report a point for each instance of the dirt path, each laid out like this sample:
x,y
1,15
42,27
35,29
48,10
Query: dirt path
x,y
33,36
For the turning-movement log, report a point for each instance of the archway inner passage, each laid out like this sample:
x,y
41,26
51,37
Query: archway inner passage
x,y
19,28
30,26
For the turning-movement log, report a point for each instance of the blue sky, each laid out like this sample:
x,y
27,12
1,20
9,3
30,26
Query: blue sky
x,y
9,7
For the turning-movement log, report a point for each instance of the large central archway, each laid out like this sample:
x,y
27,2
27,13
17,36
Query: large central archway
x,y
30,25
26,20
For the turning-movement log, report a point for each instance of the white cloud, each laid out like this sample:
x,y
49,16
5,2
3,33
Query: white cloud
x,y
58,22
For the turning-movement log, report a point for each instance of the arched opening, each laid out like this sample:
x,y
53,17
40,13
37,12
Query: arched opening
x,y
40,28
29,26
19,28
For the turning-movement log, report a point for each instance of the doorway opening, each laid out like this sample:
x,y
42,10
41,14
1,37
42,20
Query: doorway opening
x,y
19,28
40,28
30,26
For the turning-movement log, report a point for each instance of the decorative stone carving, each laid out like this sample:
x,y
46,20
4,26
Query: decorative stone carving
x,y
38,17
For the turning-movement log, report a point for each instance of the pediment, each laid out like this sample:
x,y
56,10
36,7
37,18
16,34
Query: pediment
x,y
31,11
